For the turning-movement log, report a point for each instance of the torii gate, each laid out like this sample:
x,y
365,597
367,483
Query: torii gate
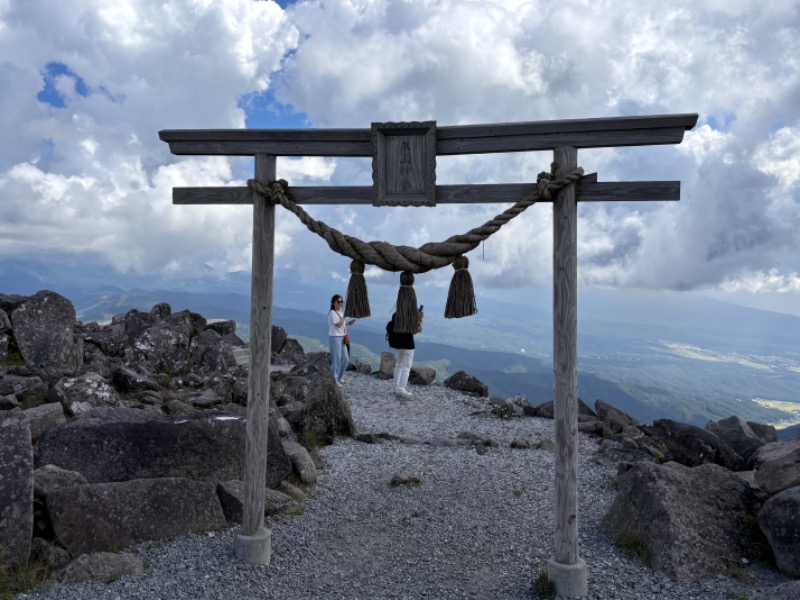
x,y
389,144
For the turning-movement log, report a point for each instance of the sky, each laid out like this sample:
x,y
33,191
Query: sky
x,y
85,87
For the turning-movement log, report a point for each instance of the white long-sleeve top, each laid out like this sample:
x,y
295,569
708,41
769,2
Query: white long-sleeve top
x,y
335,317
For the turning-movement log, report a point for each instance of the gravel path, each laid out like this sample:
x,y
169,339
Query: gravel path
x,y
476,527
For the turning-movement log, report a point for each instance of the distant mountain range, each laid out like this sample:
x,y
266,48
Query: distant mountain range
x,y
652,354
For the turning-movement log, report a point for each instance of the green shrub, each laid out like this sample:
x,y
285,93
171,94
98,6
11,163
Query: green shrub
x,y
16,580
543,586
14,357
632,544
308,439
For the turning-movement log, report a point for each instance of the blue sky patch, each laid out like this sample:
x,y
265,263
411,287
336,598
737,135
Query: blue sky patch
x,y
263,111
46,151
50,95
723,123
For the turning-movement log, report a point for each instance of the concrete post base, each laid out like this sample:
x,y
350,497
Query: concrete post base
x,y
254,549
570,580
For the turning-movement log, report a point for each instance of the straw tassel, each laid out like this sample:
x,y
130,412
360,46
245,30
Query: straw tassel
x,y
357,305
461,297
407,315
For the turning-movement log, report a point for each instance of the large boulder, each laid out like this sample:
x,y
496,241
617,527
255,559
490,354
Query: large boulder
x,y
44,329
692,522
84,393
231,497
546,410
614,420
291,353
28,389
110,339
386,370
16,490
278,339
464,382
129,380
46,479
315,363
209,354
779,521
766,433
738,434
223,327
286,388
43,417
692,446
111,516
303,464
108,445
777,466
421,376
327,415
162,340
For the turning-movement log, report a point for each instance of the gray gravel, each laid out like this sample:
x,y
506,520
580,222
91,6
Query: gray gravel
x,y
477,526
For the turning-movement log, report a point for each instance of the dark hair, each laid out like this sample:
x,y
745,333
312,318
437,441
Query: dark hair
x,y
334,298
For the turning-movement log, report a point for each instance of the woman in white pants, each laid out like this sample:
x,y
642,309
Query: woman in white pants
x,y
337,329
403,344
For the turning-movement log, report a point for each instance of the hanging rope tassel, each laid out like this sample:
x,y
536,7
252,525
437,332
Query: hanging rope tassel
x,y
357,305
461,297
407,317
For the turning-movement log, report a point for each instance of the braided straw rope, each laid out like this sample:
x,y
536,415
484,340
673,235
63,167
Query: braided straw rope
x,y
432,255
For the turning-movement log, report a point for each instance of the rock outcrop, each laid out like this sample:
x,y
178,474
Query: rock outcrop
x,y
686,499
16,490
690,523
129,423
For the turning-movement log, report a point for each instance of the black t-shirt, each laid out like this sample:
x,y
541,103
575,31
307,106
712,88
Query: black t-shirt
x,y
397,340
402,341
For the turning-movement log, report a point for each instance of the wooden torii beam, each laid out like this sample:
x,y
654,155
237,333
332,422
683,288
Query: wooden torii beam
x,y
566,569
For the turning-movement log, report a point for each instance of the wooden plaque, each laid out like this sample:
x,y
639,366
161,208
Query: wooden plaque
x,y
404,164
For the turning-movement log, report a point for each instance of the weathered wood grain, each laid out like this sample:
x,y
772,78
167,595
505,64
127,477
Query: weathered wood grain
x,y
464,139
565,360
260,350
588,191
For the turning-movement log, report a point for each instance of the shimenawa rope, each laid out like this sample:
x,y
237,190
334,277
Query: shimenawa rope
x,y
433,255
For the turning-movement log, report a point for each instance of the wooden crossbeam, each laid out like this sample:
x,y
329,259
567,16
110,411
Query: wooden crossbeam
x,y
588,191
460,139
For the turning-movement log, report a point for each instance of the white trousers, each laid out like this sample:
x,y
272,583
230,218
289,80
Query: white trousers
x,y
402,367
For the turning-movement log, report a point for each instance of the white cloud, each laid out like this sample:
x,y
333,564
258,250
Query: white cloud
x,y
88,163
780,156
704,141
770,281
87,172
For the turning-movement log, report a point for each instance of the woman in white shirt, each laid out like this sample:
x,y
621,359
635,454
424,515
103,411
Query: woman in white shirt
x,y
337,329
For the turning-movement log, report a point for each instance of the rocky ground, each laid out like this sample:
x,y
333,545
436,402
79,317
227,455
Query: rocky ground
x,y
432,514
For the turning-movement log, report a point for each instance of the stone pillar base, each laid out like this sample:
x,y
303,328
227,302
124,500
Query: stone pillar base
x,y
254,549
570,580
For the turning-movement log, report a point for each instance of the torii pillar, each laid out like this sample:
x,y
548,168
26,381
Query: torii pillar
x,y
566,569
253,544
